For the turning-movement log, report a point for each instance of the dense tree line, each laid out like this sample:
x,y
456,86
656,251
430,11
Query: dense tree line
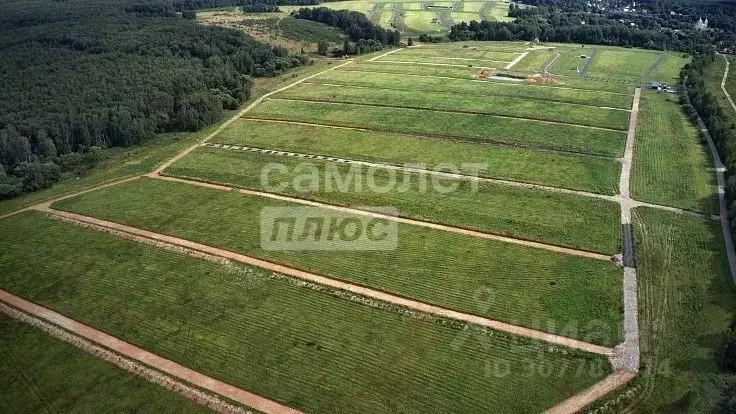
x,y
549,24
365,35
114,78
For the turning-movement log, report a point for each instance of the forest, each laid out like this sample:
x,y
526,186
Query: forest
x,y
83,75
365,35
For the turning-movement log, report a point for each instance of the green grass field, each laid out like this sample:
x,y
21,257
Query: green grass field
x,y
40,373
535,61
470,87
625,88
297,345
686,303
621,63
434,266
668,72
499,105
578,172
573,221
461,55
671,165
453,126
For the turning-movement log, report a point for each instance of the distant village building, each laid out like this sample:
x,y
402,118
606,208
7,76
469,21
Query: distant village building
x,y
701,25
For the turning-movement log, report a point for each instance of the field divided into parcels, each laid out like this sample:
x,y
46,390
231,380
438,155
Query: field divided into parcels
x,y
429,265
535,242
564,219
300,346
597,174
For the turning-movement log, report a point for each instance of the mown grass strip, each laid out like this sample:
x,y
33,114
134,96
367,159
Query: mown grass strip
x,y
472,73
571,221
433,266
671,165
303,347
499,105
471,87
555,169
41,373
687,303
472,127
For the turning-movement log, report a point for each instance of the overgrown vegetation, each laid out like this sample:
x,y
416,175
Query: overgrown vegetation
x,y
112,75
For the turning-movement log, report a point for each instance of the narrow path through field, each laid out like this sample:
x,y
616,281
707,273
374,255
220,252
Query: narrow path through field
x,y
337,284
388,53
721,185
600,389
551,62
140,355
515,61
399,219
723,83
403,62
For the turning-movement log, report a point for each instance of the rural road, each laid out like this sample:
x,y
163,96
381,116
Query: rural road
x,y
723,83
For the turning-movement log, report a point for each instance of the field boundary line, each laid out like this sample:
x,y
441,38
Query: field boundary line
x,y
601,388
238,115
448,111
140,355
721,183
373,59
700,214
400,219
551,63
338,284
487,81
447,138
723,83
515,61
466,94
72,194
159,378
456,176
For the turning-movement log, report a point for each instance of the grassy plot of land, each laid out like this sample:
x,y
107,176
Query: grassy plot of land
x,y
624,64
472,73
302,347
535,61
668,71
39,373
497,105
562,170
686,303
425,54
573,221
530,285
470,127
423,83
671,165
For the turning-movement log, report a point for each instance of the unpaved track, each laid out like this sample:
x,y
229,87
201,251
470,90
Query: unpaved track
x,y
239,115
404,220
723,83
403,62
137,354
515,61
135,368
600,389
388,53
337,284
